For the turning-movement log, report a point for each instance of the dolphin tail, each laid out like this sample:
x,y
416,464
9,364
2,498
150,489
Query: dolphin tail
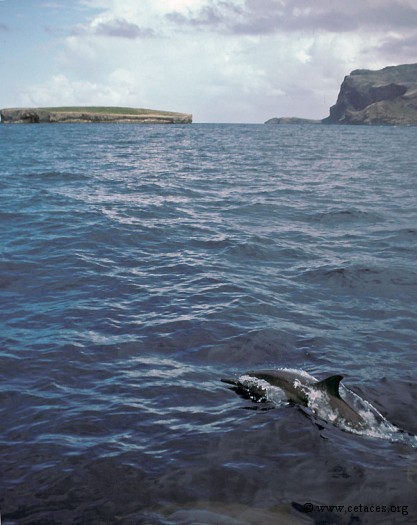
x,y
330,385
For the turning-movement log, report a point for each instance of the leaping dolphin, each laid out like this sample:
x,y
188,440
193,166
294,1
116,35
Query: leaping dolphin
x,y
302,388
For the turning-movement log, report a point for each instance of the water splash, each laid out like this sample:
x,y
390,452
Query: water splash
x,y
375,424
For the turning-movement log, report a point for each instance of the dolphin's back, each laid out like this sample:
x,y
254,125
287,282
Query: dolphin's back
x,y
286,379
291,381
299,386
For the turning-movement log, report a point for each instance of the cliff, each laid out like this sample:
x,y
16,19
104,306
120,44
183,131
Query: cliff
x,y
92,114
387,96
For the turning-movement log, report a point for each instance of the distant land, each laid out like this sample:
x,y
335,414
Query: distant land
x,y
386,97
291,120
96,114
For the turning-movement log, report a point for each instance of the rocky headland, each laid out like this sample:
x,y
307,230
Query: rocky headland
x,y
387,96
92,114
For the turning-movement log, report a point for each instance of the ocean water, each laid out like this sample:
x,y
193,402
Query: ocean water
x,y
141,264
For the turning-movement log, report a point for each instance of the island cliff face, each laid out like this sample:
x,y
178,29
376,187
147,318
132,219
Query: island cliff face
x,y
92,114
388,96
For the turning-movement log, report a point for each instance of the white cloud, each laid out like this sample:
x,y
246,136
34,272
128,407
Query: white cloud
x,y
225,60
62,91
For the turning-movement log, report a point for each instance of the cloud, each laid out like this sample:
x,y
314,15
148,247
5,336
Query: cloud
x,y
60,90
117,28
208,16
399,15
123,29
214,15
150,18
261,17
223,60
397,48
4,27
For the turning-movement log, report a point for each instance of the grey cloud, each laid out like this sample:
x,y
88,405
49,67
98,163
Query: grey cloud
x,y
404,48
4,28
269,16
123,29
392,15
118,28
209,16
215,16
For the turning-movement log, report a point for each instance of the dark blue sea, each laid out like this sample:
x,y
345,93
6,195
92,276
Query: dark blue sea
x,y
139,265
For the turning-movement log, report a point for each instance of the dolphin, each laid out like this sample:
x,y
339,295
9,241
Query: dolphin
x,y
322,397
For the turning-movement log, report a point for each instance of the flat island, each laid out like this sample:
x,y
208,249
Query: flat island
x,y
92,114
292,120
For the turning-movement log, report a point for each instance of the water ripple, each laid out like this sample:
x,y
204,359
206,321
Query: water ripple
x,y
139,264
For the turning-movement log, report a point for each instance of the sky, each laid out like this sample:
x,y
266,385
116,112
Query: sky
x,y
239,61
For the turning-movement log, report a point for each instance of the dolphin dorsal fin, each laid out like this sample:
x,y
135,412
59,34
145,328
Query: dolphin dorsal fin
x,y
330,385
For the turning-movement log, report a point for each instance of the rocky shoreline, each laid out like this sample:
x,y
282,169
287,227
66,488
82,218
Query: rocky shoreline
x,y
384,97
387,96
91,115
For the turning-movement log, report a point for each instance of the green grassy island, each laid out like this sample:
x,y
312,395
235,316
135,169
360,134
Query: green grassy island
x,y
92,114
